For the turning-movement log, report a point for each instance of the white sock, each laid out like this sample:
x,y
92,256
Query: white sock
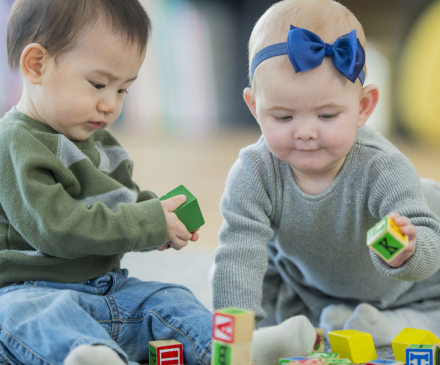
x,y
333,317
385,325
93,355
294,337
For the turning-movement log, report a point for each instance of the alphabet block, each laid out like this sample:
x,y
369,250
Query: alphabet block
x,y
421,354
386,239
166,352
357,346
309,361
233,325
384,362
189,212
337,361
324,355
411,336
239,353
319,344
287,360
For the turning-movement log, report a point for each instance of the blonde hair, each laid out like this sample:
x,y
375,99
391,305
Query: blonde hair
x,y
327,18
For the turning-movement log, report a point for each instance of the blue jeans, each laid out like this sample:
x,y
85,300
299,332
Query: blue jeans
x,y
41,322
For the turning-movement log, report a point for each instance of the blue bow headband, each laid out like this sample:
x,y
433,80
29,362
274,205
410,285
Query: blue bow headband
x,y
307,50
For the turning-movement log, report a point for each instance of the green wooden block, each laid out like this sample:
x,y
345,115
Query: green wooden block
x,y
324,355
386,239
189,212
337,361
153,355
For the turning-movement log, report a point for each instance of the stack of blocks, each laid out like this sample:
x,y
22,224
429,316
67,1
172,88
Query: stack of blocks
x,y
411,347
386,239
416,347
232,337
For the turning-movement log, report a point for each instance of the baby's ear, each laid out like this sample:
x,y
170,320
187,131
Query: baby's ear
x,y
32,61
368,102
249,98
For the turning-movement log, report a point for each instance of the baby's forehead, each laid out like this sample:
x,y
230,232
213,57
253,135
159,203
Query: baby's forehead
x,y
276,78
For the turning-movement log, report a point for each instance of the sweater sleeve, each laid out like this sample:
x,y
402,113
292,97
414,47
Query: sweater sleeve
x,y
34,194
241,257
395,187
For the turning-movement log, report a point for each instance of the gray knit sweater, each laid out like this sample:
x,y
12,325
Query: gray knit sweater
x,y
311,250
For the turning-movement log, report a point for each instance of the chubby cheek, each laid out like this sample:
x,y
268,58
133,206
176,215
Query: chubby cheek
x,y
278,140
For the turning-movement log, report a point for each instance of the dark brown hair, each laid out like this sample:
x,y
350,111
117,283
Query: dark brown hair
x,y
57,24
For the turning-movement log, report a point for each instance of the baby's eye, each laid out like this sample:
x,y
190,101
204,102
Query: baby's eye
x,y
123,91
284,118
97,86
329,116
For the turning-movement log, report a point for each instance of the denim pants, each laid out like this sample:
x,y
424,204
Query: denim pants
x,y
41,322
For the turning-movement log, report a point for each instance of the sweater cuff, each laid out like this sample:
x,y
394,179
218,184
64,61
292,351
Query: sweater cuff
x,y
149,221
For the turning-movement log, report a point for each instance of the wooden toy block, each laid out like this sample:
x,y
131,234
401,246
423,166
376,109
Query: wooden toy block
x,y
324,355
421,354
356,346
189,212
337,361
287,360
319,344
239,353
233,325
411,336
386,239
384,362
309,361
166,352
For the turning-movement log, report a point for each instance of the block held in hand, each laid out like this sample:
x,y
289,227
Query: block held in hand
x,y
386,239
189,212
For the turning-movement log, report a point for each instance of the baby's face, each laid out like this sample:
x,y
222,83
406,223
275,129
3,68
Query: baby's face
x,y
84,91
309,119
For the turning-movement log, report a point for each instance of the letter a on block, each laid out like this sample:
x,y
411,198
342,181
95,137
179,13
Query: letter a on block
x,y
223,328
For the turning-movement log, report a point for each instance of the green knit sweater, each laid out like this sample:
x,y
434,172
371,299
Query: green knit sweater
x,y
69,210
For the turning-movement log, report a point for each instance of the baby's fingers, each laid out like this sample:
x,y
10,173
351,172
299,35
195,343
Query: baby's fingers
x,y
178,244
410,230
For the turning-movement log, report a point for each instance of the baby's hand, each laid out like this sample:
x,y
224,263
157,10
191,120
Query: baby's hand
x,y
407,228
178,235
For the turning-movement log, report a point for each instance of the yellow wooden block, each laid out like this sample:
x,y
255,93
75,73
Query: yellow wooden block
x,y
354,345
411,336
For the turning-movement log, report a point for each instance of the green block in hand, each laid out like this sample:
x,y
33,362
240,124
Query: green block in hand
x,y
189,212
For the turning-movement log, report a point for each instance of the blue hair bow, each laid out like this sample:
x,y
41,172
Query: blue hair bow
x,y
306,51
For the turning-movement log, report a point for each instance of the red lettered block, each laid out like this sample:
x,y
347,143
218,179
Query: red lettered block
x,y
168,352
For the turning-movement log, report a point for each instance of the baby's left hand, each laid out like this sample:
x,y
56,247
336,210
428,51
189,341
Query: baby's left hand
x,y
407,228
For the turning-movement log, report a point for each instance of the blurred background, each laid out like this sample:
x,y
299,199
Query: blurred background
x,y
185,121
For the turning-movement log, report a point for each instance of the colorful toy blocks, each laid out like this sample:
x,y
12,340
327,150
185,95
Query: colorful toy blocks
x,y
189,212
319,344
324,355
232,337
411,336
166,352
288,360
354,345
386,239
309,361
331,361
384,362
421,354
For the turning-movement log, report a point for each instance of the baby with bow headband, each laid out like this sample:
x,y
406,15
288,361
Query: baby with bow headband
x,y
299,202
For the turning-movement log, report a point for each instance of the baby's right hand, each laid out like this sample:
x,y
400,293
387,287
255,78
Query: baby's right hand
x,y
178,235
